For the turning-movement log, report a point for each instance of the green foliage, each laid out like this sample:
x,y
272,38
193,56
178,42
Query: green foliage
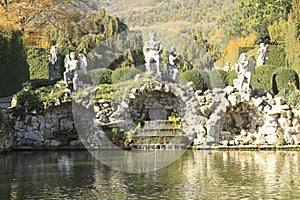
x,y
116,136
284,78
291,96
262,79
101,76
38,83
231,76
278,30
124,74
86,34
37,99
254,16
218,79
13,66
27,100
292,38
198,77
104,92
38,63
277,56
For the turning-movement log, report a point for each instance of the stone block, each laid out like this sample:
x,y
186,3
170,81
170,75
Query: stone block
x,y
279,100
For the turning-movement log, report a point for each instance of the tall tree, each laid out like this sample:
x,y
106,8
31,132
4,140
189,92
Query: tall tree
x,y
293,37
254,16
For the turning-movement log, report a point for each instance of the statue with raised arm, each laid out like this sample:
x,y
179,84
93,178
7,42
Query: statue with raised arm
x,y
262,54
172,64
153,52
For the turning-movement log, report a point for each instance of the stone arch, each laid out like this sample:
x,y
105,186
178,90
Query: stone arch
x,y
175,98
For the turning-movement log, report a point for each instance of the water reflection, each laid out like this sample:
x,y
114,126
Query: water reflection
x,y
195,175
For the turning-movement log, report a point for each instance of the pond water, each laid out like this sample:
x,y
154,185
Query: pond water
x,y
195,175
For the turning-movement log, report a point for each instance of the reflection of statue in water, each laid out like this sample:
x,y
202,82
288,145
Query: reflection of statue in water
x,y
54,63
244,75
72,65
262,54
173,61
153,52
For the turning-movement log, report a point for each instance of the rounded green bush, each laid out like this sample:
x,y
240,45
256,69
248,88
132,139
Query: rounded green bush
x,y
101,76
284,78
262,79
124,74
231,75
198,77
218,79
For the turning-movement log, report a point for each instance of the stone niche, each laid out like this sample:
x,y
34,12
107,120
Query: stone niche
x,y
156,105
243,117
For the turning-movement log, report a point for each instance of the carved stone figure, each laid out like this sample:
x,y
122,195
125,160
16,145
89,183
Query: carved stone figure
x,y
244,75
252,64
54,63
153,52
71,65
172,62
263,54
227,67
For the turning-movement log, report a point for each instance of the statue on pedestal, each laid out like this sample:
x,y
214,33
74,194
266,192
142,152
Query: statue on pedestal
x,y
262,54
153,52
72,66
172,62
54,63
244,75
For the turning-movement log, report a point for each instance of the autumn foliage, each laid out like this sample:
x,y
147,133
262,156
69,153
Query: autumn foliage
x,y
240,42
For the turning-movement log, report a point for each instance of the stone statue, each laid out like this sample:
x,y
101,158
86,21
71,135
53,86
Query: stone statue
x,y
82,63
54,63
252,64
71,73
172,62
244,75
153,52
227,67
263,54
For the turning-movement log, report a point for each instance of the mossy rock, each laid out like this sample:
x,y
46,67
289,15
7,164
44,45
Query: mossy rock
x,y
218,79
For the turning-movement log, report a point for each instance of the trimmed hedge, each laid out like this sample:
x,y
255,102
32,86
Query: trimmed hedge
x,y
284,78
262,79
38,63
101,76
218,79
198,77
124,74
14,69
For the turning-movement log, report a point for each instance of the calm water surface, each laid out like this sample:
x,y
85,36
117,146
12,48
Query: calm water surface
x,y
196,175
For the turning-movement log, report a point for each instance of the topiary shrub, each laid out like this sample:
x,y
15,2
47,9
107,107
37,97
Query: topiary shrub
x,y
218,79
101,76
199,78
262,79
124,74
231,75
38,63
284,78
291,96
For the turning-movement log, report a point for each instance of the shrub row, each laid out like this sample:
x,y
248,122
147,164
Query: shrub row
x,y
267,78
